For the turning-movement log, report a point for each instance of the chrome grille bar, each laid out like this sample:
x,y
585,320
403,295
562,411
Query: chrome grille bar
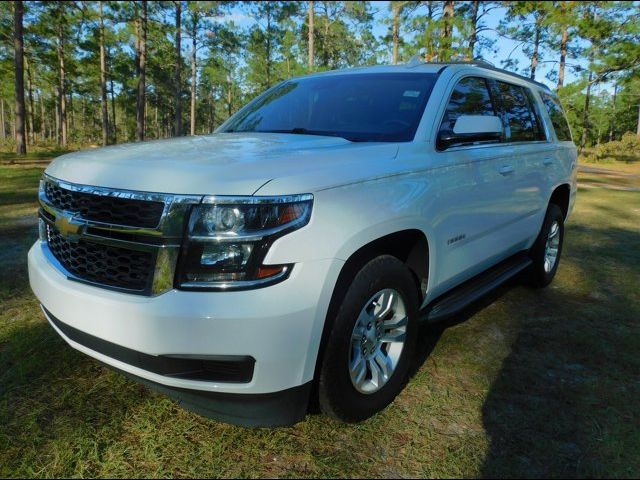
x,y
162,241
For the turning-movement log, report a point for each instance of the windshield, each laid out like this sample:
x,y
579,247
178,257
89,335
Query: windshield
x,y
359,107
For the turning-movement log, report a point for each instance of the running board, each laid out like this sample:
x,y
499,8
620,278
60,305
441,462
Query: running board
x,y
474,289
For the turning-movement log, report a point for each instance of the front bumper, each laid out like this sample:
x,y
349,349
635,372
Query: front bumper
x,y
278,326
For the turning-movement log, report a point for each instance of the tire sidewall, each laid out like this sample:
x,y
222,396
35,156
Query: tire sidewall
x,y
338,396
541,277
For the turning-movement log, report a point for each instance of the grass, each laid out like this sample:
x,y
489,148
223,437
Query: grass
x,y
34,155
529,383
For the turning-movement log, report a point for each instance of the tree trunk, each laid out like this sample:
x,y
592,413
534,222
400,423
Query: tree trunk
x,y
3,127
84,117
311,36
43,118
563,49
114,126
62,90
212,115
229,94
447,16
638,128
178,74
536,46
140,100
474,29
32,115
585,116
18,47
429,54
396,32
612,122
71,113
194,73
268,44
325,40
56,117
103,83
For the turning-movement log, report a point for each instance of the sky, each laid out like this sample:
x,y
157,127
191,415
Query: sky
x,y
503,47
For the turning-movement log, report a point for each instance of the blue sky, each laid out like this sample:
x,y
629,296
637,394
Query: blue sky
x,y
503,47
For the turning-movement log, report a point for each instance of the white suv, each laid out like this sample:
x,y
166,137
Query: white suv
x,y
287,259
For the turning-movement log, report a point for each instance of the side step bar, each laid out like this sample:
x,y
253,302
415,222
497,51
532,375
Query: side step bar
x,y
472,290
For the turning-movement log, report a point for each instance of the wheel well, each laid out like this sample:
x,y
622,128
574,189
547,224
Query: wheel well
x,y
560,197
409,246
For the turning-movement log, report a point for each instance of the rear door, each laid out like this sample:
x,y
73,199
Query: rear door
x,y
533,156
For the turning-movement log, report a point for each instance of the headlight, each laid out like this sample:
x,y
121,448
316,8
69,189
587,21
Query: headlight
x,y
229,237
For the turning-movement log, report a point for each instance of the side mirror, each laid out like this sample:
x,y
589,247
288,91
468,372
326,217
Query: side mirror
x,y
471,129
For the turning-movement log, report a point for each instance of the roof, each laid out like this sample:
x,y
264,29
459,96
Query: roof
x,y
488,66
426,67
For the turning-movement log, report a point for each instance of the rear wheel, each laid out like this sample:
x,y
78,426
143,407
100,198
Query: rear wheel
x,y
366,361
547,249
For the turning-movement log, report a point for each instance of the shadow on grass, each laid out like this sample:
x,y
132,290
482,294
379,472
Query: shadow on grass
x,y
565,401
23,185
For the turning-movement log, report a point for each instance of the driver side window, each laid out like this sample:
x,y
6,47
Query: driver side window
x,y
469,97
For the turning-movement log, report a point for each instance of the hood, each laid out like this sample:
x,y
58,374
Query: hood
x,y
226,163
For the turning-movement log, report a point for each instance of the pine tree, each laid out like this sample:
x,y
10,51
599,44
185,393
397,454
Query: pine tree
x,y
18,43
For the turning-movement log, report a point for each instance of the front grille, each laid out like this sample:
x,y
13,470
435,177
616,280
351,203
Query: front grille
x,y
106,209
103,264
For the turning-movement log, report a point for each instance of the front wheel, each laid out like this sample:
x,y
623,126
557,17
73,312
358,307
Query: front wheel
x,y
366,361
546,251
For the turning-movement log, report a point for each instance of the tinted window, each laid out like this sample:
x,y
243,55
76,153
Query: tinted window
x,y
519,119
537,117
358,107
558,119
470,97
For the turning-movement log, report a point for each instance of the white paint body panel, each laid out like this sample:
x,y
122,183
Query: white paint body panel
x,y
362,191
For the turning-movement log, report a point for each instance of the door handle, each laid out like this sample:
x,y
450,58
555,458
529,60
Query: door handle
x,y
506,170
547,161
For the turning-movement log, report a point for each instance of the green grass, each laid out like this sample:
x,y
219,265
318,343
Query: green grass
x,y
530,383
39,154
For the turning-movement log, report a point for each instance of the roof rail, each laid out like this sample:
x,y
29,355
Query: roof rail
x,y
479,63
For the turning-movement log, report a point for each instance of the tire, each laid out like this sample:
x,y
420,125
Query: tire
x,y
355,399
541,273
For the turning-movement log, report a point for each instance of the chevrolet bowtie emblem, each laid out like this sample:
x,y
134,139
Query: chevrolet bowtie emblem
x,y
68,227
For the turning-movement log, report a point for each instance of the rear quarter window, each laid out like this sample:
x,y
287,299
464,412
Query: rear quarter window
x,y
558,118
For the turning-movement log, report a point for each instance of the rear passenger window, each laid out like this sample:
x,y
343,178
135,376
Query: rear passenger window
x,y
521,124
558,119
469,97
